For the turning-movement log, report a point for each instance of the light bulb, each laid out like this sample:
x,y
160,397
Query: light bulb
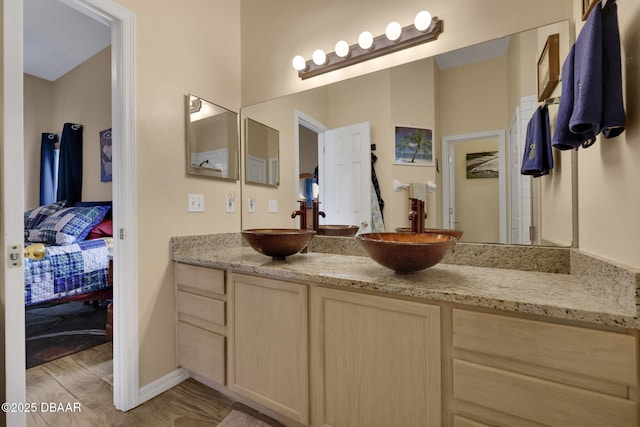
x,y
422,21
365,40
342,49
393,31
299,63
319,57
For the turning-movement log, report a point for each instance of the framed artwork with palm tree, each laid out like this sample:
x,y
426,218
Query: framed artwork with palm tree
x,y
413,146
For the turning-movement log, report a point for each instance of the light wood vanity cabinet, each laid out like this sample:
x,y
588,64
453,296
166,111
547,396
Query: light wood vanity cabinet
x,y
329,357
517,372
201,326
375,361
268,353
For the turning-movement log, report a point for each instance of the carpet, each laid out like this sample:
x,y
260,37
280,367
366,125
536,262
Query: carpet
x,y
59,330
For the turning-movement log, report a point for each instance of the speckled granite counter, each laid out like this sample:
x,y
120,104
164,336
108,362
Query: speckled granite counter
x,y
608,299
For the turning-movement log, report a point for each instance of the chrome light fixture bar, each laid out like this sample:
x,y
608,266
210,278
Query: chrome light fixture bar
x,y
410,36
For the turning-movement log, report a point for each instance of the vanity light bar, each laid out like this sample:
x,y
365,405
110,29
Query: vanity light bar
x,y
410,36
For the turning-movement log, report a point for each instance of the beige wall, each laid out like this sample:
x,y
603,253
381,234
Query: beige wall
x,y
181,47
38,108
477,200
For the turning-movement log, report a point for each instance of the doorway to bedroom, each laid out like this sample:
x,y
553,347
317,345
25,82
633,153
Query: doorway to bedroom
x,y
117,104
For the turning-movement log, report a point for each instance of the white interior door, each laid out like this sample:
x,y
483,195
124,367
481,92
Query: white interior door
x,y
344,169
11,214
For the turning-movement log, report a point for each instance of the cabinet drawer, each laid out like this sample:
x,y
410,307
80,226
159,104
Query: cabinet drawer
x,y
201,311
607,356
201,352
200,280
533,400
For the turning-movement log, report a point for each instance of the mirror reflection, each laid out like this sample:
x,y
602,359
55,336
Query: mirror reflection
x,y
212,140
261,160
477,102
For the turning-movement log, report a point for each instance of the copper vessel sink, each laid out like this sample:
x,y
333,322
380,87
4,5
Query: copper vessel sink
x,y
455,233
407,252
278,243
338,230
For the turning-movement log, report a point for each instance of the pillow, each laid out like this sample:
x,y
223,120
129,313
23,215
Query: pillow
x,y
104,229
33,217
68,225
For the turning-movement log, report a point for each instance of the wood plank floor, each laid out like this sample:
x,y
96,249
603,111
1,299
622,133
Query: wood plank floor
x,y
87,378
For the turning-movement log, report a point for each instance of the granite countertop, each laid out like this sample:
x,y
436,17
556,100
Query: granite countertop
x,y
556,295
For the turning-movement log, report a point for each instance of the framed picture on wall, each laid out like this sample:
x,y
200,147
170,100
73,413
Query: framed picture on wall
x,y
587,7
482,165
413,146
549,67
105,156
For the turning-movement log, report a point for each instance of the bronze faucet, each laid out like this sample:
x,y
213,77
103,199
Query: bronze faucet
x,y
317,213
302,211
417,216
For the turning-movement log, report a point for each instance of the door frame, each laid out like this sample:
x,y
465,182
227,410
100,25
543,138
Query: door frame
x,y
126,390
303,119
448,177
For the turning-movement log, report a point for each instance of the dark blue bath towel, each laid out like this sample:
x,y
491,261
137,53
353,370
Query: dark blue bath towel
x,y
538,155
591,100
613,115
563,138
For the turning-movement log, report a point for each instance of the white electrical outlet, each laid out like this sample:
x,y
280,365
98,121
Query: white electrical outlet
x,y
273,206
195,203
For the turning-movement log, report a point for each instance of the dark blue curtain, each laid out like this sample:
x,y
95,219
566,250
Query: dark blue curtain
x,y
70,169
48,169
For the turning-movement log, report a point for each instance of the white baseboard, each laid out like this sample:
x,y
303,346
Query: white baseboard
x,y
162,384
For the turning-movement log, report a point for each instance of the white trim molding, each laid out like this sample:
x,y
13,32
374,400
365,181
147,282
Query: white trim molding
x,y
162,384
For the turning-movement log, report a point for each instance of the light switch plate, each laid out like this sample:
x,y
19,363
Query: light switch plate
x,y
251,205
230,204
195,203
273,206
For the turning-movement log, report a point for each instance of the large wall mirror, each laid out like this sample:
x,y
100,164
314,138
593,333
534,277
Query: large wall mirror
x,y
213,141
475,100
261,154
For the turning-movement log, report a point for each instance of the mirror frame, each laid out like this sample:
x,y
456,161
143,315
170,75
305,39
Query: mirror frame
x,y
247,138
230,129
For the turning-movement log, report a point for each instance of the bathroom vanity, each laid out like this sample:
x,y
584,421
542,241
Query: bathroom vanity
x,y
328,339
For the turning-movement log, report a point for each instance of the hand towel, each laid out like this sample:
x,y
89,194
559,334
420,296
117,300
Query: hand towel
x,y
538,155
418,190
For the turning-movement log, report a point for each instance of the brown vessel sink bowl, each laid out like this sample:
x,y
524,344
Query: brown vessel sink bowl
x,y
278,243
455,233
338,230
407,252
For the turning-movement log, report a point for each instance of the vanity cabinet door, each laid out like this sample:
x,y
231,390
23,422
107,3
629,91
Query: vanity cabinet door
x,y
521,372
375,361
268,348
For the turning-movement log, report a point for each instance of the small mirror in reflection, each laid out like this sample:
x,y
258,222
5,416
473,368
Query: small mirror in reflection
x,y
262,154
212,140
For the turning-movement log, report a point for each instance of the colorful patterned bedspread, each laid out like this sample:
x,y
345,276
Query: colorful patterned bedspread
x,y
68,270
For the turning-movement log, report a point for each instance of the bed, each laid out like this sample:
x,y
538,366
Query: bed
x,y
79,244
